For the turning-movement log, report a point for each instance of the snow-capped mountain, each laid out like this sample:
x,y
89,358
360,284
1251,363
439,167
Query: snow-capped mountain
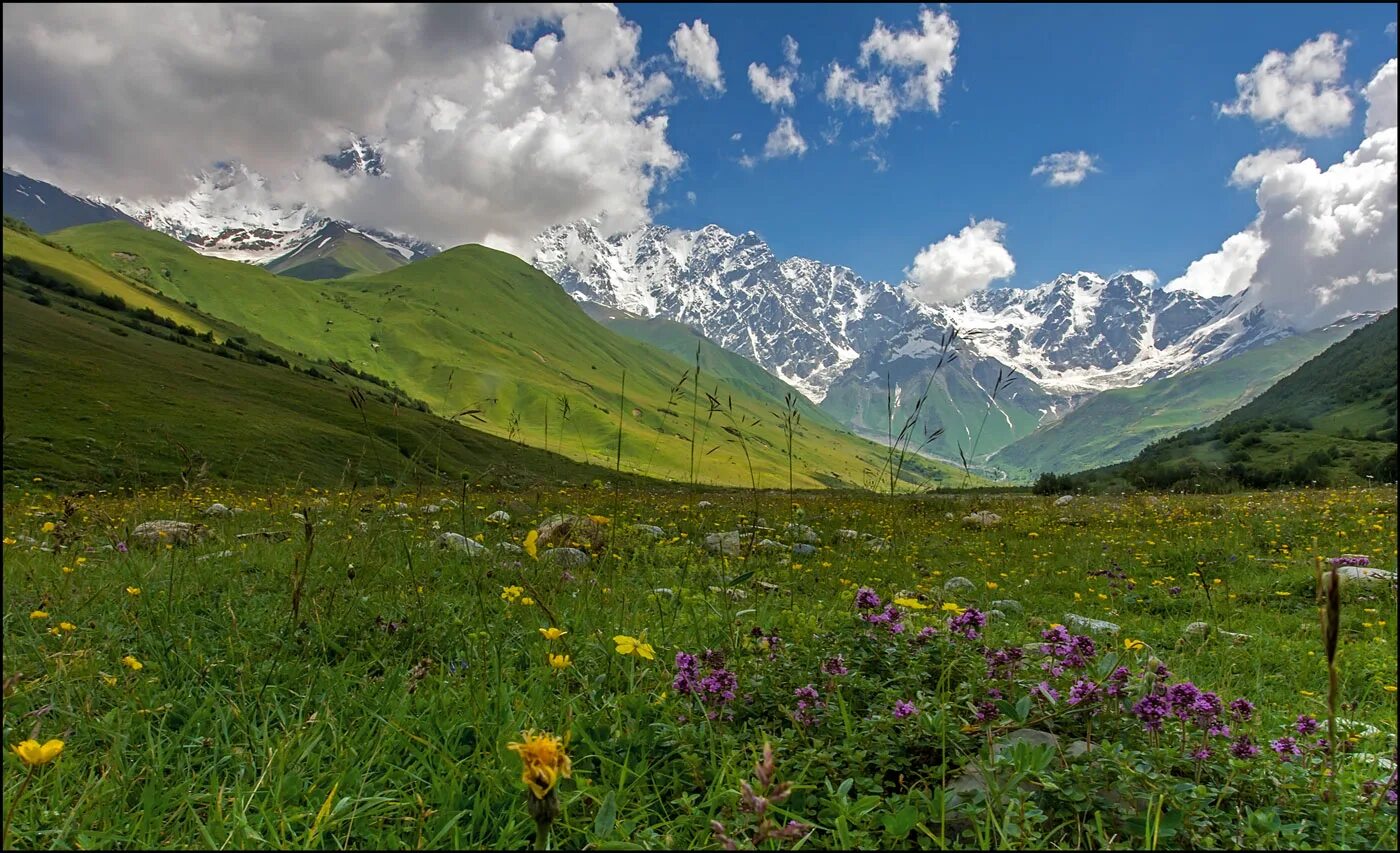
x,y
838,338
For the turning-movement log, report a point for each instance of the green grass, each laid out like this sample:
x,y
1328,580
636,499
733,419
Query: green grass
x,y
1115,425
379,717
473,328
345,254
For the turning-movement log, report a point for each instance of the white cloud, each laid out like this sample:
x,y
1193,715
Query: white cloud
x,y
690,196
775,90
1227,271
1324,242
947,271
784,141
483,141
1066,168
1303,90
1252,169
736,136
1147,277
748,161
921,59
697,50
790,52
1380,96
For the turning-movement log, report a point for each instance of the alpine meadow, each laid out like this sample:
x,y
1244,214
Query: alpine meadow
x,y
643,427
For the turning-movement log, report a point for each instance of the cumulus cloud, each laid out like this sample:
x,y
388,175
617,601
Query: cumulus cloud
x,y
1380,99
947,271
482,140
1066,168
1147,277
790,51
775,90
1252,169
1224,272
784,141
1303,90
1324,242
698,52
909,68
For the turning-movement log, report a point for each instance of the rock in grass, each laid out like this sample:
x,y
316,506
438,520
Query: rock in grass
x,y
564,558
500,516
1034,737
430,509
649,529
803,533
703,505
1062,500
1008,605
219,556
802,549
1365,577
770,545
218,509
458,542
959,585
847,534
509,548
578,531
995,616
981,518
1093,626
153,534
1202,630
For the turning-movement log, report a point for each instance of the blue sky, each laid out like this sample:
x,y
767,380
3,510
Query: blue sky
x,y
1135,86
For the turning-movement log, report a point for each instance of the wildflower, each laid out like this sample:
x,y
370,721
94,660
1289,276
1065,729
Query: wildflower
x,y
559,661
952,607
834,666
544,762
1202,754
511,593
911,603
866,599
925,634
526,601
552,633
1242,747
8,541
531,545
133,590
631,645
687,678
1134,645
1285,748
1083,691
808,703
133,663
34,754
1350,560
39,614
1242,710
48,527
967,622
904,709
121,547
991,584
1151,710
1306,725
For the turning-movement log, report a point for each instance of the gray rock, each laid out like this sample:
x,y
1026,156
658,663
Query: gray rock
x,y
458,542
153,534
803,533
981,518
1077,748
1008,605
733,592
571,530
703,505
995,616
1202,631
802,549
729,543
1063,500
649,529
564,558
219,556
430,509
847,534
770,545
875,543
958,585
1095,626
218,509
1365,577
509,548
500,516
1034,737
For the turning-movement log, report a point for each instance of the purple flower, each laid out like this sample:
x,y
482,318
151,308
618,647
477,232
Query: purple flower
x,y
1118,681
121,547
1350,560
1003,663
866,599
1285,747
1083,691
1044,691
719,686
904,709
1202,754
1242,747
1174,591
966,623
1306,725
808,703
984,711
1151,710
687,674
1182,697
834,666
712,658
1242,710
926,633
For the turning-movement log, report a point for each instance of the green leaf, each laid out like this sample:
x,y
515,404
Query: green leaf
x,y
899,823
607,814
1023,708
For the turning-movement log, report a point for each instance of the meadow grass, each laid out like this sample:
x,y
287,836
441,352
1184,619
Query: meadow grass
x,y
380,716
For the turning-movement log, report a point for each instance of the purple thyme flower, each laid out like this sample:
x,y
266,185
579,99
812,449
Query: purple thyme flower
x,y
1202,754
984,711
1174,591
1306,725
1003,663
1286,747
1044,691
904,709
925,634
866,599
1350,560
121,547
808,703
1118,681
1083,691
1242,710
687,674
718,688
966,623
712,658
834,666
1243,747
1152,709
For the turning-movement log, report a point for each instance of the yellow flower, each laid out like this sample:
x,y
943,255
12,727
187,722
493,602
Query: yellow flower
x,y
1390,688
39,614
530,545
552,633
48,527
527,601
600,519
1283,594
67,626
9,541
132,662
953,608
631,645
559,661
133,590
33,754
544,760
1134,645
511,593
991,584
1307,692
911,603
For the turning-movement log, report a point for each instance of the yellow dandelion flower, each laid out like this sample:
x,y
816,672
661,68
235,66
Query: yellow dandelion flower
x,y
39,614
49,527
133,663
911,603
544,761
133,590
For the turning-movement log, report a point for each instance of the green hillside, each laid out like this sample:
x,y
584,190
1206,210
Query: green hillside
x,y
337,255
96,398
1330,422
1114,425
477,329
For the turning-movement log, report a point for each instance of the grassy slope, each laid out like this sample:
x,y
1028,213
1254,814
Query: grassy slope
x,y
1330,421
1115,425
474,328
90,402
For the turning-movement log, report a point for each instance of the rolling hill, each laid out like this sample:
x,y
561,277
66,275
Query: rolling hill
x,y
475,330
1114,425
1332,421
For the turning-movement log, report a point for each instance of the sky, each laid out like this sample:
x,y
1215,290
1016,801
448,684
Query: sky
x,y
952,147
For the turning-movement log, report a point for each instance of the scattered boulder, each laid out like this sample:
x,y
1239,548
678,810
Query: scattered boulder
x,y
982,518
219,556
770,545
703,505
430,509
729,543
1034,737
650,530
565,558
218,509
500,516
153,534
802,549
1062,500
1093,626
1364,576
577,531
875,543
1008,605
732,591
847,534
803,533
1077,748
509,548
995,616
458,542
766,586
1202,631
959,585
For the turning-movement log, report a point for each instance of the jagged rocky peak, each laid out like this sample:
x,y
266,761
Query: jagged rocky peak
x,y
360,156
